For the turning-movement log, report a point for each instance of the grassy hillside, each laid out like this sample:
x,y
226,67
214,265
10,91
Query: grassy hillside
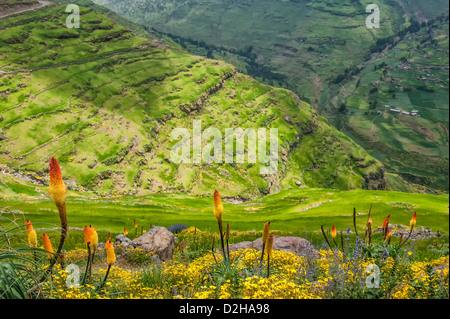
x,y
315,48
305,42
104,102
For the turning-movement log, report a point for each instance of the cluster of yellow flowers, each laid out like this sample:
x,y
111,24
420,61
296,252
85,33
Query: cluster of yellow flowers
x,y
400,279
288,280
275,287
419,283
123,284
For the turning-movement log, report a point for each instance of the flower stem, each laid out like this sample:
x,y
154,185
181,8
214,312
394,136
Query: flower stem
x,y
262,255
409,235
63,218
326,239
104,279
228,251
221,239
354,221
88,262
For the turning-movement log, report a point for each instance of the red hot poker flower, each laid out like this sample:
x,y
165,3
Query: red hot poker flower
x,y
218,207
386,221
57,188
87,236
413,221
28,226
333,232
47,245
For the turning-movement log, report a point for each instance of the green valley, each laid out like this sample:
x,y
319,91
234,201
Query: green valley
x,y
323,51
178,150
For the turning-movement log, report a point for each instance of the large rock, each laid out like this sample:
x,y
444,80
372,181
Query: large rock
x,y
158,240
296,245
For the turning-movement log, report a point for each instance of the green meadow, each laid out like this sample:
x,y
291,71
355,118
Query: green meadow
x,y
292,210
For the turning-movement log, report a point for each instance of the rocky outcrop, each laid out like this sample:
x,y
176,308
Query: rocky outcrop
x,y
418,233
196,105
296,245
375,180
158,240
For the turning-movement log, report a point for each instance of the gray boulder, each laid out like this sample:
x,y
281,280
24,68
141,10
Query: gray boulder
x,y
158,240
296,245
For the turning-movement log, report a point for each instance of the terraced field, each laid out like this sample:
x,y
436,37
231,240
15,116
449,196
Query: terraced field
x,y
104,102
412,75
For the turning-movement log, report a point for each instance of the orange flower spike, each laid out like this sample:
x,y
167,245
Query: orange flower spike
x,y
110,255
270,245
94,237
266,232
28,226
333,232
87,236
57,189
413,221
386,222
218,207
135,224
125,232
47,245
368,233
32,238
218,211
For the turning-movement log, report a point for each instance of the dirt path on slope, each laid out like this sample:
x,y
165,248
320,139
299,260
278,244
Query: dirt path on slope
x,y
21,8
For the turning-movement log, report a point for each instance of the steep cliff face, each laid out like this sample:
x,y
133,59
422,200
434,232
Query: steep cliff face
x,y
105,103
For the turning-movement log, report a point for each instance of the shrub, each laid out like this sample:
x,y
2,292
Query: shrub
x,y
176,229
